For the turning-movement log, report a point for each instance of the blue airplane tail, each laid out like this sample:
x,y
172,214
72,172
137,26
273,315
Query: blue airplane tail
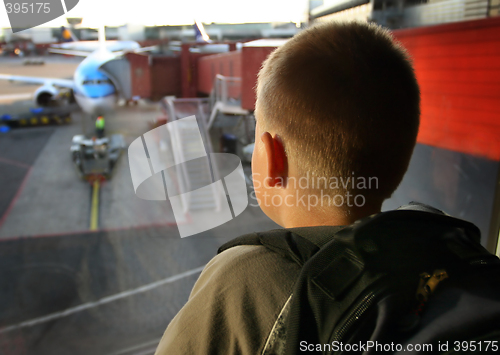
x,y
67,35
200,34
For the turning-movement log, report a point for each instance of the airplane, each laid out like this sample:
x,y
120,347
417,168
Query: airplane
x,y
71,43
95,89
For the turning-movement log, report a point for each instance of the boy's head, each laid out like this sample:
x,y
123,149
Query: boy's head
x,y
343,102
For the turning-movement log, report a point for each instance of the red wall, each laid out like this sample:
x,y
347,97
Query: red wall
x,y
251,63
165,77
458,69
189,70
154,77
227,64
140,74
245,64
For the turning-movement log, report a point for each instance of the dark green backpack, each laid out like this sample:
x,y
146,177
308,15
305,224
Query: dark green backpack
x,y
414,278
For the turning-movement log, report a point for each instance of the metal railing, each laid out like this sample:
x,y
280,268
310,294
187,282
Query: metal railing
x,y
226,98
227,90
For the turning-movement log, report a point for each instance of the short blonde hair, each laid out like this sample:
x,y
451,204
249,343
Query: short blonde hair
x,y
345,99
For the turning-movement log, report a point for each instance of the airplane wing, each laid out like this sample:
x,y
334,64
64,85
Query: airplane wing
x,y
82,53
69,52
138,50
145,49
64,83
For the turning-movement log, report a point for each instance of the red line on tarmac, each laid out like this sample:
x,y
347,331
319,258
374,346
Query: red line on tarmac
x,y
16,196
13,162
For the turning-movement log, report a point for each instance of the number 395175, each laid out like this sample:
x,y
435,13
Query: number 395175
x,y
473,345
28,8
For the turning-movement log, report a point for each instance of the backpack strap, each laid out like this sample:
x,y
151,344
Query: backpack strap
x,y
303,242
417,206
297,244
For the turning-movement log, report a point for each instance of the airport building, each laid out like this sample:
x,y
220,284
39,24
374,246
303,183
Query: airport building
x,y
396,14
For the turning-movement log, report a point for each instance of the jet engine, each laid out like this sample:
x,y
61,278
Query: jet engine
x,y
46,96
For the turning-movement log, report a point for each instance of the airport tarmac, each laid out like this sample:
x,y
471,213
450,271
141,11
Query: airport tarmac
x,y
67,290
55,200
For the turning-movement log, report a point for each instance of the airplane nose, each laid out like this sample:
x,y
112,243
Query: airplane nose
x,y
97,105
103,105
101,108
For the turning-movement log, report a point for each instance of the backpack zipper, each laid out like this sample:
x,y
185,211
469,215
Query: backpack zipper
x,y
361,307
480,261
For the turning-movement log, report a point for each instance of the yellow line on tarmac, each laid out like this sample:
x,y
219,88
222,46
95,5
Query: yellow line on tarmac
x,y
94,210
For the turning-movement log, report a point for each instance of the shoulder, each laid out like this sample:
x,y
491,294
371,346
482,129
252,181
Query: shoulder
x,y
248,266
233,305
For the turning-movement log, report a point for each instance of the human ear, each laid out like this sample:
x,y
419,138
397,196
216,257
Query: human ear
x,y
277,163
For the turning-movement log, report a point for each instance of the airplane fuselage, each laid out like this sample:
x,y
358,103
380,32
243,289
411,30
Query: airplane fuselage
x,y
93,90
91,46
